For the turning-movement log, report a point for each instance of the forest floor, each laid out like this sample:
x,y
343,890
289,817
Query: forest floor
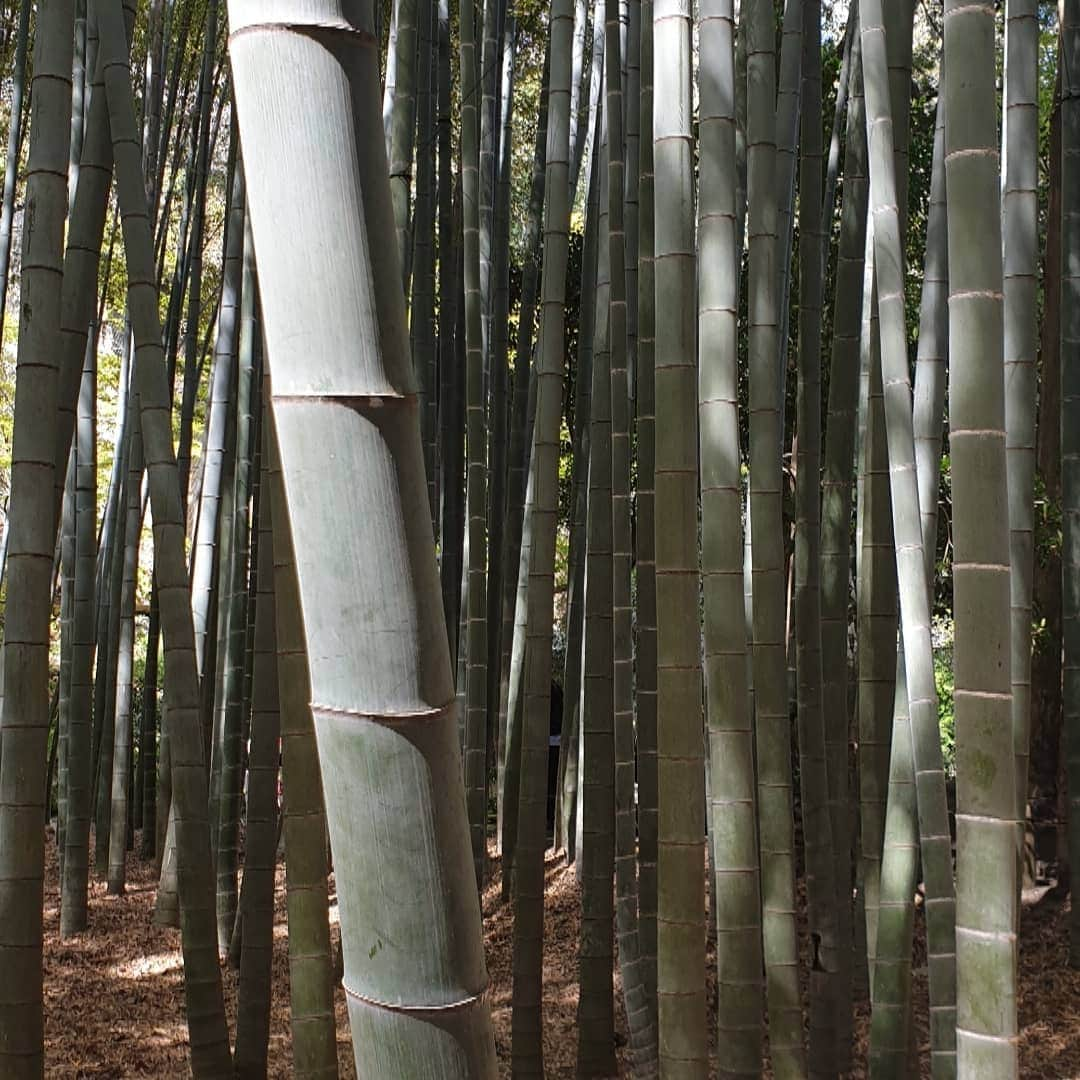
x,y
114,995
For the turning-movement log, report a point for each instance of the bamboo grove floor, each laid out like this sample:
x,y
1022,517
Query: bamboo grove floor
x,y
114,997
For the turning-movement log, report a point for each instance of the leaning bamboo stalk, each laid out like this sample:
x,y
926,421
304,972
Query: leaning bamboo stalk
x,y
384,709
205,1005
934,836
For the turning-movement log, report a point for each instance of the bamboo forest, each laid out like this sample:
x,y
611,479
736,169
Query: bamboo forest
x,y
539,538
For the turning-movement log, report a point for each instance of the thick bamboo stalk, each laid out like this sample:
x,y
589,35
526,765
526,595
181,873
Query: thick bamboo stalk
x,y
645,532
596,1013
776,830
681,1003
986,802
1020,249
32,523
732,810
384,709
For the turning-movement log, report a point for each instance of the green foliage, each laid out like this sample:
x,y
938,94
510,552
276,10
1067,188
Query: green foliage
x,y
942,634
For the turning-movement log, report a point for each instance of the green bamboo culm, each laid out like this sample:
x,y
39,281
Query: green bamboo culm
x,y
543,498
817,822
1070,428
208,1029
1020,249
645,533
929,418
32,525
986,896
639,1014
836,505
256,909
732,809
929,779
384,710
311,975
475,617
681,1001
596,1008
772,730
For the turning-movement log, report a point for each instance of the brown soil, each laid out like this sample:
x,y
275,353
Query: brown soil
x,y
114,996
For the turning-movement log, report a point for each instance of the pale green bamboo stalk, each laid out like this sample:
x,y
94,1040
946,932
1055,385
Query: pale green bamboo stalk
x,y
260,849
311,974
645,532
788,104
403,127
813,787
986,803
497,392
233,597
125,658
681,1000
208,552
836,506
929,401
476,450
773,734
543,497
73,902
934,836
59,744
575,613
632,172
491,19
639,1015
1070,431
384,711
1020,250
596,1007
422,336
520,454
732,817
579,123
876,613
210,1054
